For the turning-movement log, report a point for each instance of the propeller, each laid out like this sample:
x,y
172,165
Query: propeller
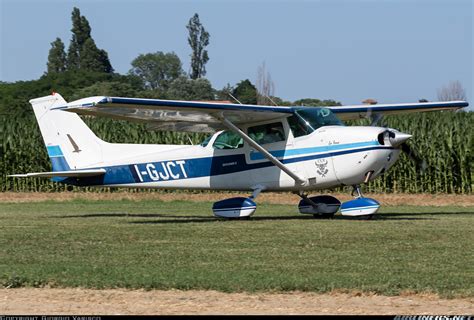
x,y
397,139
420,163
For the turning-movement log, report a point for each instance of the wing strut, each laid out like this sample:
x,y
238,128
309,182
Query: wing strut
x,y
265,153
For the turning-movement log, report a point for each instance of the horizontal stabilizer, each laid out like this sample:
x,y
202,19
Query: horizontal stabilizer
x,y
71,173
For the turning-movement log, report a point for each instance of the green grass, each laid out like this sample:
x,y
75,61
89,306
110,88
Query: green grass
x,y
153,244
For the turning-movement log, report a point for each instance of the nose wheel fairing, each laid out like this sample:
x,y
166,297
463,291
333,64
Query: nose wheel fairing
x,y
360,207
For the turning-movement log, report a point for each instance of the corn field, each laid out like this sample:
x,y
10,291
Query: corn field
x,y
443,139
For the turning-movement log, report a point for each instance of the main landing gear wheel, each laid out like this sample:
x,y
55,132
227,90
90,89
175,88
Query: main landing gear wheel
x,y
321,207
324,216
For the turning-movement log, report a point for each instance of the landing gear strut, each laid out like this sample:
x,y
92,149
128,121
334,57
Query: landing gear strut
x,y
356,190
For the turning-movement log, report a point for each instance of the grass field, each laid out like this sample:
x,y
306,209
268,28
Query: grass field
x,y
163,245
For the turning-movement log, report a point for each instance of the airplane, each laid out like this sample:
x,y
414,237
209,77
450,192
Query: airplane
x,y
251,148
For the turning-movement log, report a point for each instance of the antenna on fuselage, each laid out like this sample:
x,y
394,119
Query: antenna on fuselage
x,y
234,98
189,138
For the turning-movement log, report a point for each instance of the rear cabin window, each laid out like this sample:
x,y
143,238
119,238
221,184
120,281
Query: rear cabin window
x,y
228,140
267,133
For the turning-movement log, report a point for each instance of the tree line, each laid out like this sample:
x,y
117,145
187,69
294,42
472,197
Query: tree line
x,y
83,69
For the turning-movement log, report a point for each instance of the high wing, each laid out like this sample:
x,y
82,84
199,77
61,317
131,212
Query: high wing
x,y
190,116
171,115
364,111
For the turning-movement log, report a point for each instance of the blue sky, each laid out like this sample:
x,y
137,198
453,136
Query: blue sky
x,y
393,51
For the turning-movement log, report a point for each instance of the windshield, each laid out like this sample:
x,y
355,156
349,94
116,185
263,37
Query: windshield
x,y
308,119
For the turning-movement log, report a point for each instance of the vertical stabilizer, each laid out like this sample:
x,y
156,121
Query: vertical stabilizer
x,y
70,143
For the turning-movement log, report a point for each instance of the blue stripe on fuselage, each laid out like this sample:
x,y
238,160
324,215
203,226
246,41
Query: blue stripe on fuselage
x,y
192,168
294,152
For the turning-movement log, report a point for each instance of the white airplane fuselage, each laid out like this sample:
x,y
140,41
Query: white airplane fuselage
x,y
328,157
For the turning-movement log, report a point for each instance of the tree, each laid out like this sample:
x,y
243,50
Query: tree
x,y
245,92
265,86
330,103
56,57
72,61
190,89
81,31
106,88
452,91
80,27
83,52
280,102
94,59
307,102
225,93
310,102
198,39
157,70
106,66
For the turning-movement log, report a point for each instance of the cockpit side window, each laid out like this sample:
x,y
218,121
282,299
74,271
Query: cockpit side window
x,y
298,127
228,140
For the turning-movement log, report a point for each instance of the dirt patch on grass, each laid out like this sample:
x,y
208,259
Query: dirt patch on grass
x,y
119,301
274,198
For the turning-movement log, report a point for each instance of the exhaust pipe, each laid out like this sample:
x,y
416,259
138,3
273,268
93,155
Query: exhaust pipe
x,y
368,175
